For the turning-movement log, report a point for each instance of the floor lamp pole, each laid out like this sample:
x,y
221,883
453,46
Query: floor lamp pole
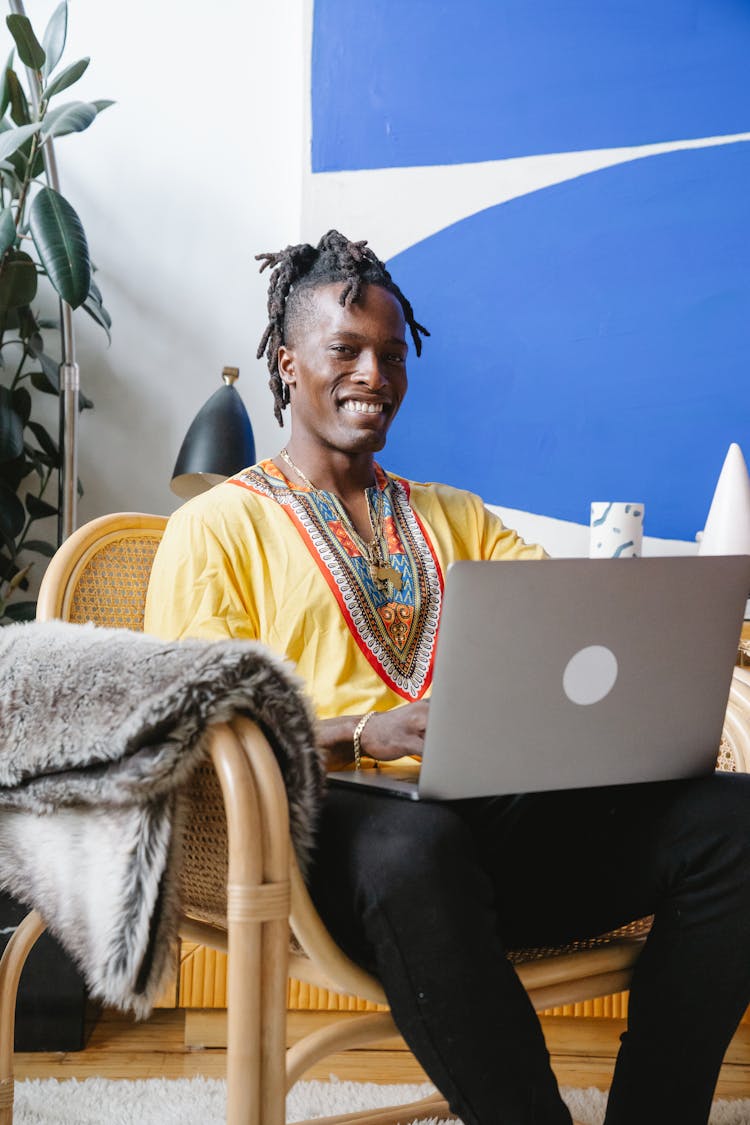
x,y
70,379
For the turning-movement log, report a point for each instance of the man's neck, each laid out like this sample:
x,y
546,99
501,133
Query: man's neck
x,y
345,474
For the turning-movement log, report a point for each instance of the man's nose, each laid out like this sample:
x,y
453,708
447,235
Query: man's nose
x,y
369,370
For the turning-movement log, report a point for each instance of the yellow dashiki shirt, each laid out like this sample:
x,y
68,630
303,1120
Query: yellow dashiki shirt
x,y
260,557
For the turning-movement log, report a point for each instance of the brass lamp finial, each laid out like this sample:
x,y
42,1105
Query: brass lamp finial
x,y
230,375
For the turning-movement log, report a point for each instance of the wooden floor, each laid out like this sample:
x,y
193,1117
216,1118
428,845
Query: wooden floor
x,y
582,1050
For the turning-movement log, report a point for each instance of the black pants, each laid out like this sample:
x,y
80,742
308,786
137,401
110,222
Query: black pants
x,y
428,895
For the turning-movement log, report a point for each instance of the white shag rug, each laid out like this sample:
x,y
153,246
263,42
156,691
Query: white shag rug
x,y
202,1101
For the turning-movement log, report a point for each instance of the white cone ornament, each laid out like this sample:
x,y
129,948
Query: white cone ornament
x,y
727,530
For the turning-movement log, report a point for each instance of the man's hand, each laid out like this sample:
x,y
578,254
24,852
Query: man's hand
x,y
394,734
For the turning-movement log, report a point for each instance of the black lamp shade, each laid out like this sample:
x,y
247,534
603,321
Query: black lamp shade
x,y
218,444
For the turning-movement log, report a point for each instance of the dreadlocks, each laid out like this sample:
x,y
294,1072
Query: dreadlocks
x,y
301,268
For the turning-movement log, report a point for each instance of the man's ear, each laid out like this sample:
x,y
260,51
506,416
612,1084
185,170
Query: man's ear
x,y
286,366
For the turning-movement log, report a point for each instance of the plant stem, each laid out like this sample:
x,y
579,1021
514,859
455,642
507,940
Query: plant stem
x,y
26,180
30,520
19,369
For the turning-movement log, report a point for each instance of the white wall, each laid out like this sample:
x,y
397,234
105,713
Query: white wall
x,y
196,169
565,540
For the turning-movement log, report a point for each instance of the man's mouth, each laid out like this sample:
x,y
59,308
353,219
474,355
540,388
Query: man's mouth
x,y
356,406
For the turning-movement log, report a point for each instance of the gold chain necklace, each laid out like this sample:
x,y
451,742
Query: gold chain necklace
x,y
375,551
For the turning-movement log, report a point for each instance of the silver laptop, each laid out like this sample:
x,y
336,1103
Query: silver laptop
x,y
570,673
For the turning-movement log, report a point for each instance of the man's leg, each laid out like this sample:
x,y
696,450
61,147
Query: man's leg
x,y
403,889
692,982
679,850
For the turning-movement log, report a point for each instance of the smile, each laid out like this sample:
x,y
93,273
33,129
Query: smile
x,y
358,407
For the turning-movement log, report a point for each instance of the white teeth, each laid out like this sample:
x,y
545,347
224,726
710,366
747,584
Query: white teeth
x,y
363,407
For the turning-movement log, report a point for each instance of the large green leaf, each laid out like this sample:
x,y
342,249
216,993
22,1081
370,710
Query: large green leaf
x,y
12,514
40,546
11,428
21,400
30,50
4,87
8,320
51,369
73,117
8,568
102,104
13,472
19,107
19,160
48,379
41,382
9,543
12,139
96,310
7,229
96,316
61,245
46,441
28,330
40,460
17,280
38,509
54,37
21,611
66,78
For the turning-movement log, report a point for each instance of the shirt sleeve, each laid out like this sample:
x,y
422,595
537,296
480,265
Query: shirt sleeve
x,y
501,542
196,589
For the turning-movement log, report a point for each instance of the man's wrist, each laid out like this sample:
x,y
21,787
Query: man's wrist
x,y
357,738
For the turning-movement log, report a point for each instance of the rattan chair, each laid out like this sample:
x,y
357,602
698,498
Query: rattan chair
x,y
242,885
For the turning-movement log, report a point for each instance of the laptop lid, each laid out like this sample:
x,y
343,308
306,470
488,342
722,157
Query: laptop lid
x,y
569,673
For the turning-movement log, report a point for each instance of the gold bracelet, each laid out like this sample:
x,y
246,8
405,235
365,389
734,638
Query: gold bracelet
x,y
357,736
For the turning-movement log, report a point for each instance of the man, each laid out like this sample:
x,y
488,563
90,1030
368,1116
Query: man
x,y
332,562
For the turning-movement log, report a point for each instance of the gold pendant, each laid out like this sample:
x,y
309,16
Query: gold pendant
x,y
387,574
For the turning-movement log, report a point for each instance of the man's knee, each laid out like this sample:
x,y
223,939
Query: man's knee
x,y
719,804
427,838
711,832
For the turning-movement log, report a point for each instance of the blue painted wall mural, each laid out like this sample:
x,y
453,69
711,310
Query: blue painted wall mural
x,y
591,340
402,82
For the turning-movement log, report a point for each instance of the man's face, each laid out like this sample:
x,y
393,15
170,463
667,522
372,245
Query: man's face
x,y
346,368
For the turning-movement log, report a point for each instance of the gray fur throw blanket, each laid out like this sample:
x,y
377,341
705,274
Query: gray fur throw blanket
x,y
100,729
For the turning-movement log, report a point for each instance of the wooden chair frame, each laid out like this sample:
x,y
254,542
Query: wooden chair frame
x,y
266,893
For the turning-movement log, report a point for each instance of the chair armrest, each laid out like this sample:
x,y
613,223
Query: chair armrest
x,y
735,748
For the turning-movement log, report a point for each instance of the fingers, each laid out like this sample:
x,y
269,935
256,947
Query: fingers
x,y
395,734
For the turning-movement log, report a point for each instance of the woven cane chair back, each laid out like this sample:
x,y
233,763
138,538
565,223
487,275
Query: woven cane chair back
x,y
102,573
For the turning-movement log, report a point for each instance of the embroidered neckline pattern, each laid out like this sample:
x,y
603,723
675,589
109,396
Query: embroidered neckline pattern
x,y
395,630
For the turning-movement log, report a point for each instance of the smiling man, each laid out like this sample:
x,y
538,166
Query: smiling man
x,y
338,565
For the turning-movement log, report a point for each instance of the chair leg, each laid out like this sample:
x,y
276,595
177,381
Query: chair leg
x,y
433,1107
11,966
273,1021
258,902
244,981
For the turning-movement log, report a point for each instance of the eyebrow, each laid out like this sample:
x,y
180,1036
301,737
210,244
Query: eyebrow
x,y
344,335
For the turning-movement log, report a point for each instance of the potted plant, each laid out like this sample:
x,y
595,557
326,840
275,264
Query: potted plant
x,y
41,240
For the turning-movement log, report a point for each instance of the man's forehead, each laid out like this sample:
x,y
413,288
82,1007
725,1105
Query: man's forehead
x,y
374,303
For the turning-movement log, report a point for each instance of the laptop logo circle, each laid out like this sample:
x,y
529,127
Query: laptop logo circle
x,y
590,675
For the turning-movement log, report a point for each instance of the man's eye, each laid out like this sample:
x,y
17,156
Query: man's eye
x,y
341,348
395,359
